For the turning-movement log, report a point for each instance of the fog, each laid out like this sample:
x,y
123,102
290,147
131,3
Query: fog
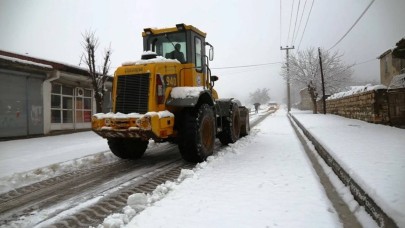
x,y
243,33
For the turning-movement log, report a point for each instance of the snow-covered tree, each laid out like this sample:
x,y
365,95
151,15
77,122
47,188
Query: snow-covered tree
x,y
259,96
97,74
304,71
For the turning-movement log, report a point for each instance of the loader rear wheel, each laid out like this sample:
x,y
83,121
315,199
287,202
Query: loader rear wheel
x,y
245,126
230,126
197,134
128,148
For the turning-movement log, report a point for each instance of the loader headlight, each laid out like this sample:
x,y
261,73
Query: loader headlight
x,y
107,122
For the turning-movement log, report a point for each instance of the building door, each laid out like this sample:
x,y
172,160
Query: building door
x,y
62,98
83,106
21,105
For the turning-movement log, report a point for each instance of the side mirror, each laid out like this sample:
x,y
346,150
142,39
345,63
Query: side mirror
x,y
214,78
211,53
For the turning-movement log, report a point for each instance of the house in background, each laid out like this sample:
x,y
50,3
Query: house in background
x,y
392,62
39,96
306,102
392,68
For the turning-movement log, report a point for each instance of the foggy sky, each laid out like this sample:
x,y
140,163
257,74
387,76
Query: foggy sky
x,y
242,32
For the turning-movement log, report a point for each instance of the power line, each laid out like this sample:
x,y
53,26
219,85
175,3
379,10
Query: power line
x,y
358,19
299,25
295,24
280,22
289,28
367,61
254,65
306,23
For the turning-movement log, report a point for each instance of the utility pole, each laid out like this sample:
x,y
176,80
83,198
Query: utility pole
x,y
288,78
323,83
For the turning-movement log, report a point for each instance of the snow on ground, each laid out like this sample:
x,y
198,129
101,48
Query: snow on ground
x,y
262,180
372,154
26,161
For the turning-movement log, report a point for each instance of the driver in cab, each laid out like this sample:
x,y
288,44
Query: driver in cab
x,y
176,54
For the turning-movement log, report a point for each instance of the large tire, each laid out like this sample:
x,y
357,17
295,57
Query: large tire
x,y
245,123
127,148
230,126
197,134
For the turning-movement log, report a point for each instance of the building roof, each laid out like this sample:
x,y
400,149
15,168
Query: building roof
x,y
9,57
384,54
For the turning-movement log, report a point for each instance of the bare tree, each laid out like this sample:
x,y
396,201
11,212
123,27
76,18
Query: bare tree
x,y
97,74
304,70
260,96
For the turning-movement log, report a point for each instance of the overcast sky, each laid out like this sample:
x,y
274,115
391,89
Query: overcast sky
x,y
242,32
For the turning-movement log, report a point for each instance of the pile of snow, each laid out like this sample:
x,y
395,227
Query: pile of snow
x,y
118,115
18,180
77,151
356,90
186,92
158,59
139,201
397,82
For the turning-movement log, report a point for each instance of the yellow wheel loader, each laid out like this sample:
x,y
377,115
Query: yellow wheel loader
x,y
168,95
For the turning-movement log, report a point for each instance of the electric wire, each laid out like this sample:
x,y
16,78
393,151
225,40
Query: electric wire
x,y
367,61
303,33
280,22
244,66
289,28
299,25
295,24
358,19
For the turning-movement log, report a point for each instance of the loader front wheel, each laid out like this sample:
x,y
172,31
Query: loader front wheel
x,y
128,148
197,134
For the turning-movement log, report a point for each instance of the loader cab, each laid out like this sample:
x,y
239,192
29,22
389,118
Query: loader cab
x,y
173,43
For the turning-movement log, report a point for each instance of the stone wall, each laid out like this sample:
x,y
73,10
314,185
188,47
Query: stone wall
x,y
370,106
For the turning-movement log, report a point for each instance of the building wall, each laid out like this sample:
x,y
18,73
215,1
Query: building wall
x,y
390,67
370,106
306,102
21,105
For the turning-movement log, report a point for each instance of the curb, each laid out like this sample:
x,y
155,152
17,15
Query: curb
x,y
361,196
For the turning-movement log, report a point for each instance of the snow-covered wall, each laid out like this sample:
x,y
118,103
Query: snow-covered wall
x,y
369,103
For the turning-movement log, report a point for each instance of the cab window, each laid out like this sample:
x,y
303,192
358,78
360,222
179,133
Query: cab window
x,y
170,46
198,54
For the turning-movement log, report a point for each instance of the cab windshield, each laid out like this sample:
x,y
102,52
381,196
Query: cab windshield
x,y
170,46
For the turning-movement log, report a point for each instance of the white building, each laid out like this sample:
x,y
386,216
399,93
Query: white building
x,y
38,97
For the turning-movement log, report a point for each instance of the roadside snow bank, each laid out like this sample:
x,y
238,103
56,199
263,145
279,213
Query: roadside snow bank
x,y
18,180
139,201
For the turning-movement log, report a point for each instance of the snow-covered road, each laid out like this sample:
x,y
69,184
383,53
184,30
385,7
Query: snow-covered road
x,y
264,179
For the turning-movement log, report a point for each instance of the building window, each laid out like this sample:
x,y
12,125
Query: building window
x,y
70,104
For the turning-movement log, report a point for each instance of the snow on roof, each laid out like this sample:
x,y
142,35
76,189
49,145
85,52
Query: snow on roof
x,y
25,61
158,59
397,82
356,90
184,92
